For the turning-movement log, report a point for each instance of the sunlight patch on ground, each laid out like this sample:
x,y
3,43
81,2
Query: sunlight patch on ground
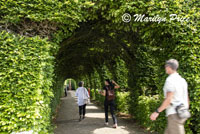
x,y
107,130
95,115
91,107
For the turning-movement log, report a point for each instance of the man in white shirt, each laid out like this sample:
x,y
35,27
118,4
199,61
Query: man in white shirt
x,y
176,93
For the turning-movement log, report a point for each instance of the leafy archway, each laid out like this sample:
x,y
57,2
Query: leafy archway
x,y
89,41
71,83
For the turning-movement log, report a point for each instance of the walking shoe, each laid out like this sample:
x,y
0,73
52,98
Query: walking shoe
x,y
115,126
83,117
80,118
106,124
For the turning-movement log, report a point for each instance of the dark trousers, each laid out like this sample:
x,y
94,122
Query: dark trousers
x,y
65,93
112,110
82,110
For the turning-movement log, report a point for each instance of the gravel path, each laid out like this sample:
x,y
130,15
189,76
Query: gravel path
x,y
67,121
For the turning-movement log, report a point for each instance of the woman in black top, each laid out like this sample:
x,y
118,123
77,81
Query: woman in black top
x,y
109,85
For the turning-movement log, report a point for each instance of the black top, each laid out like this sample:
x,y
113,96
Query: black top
x,y
106,89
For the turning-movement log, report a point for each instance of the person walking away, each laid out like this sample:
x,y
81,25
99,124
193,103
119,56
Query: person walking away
x,y
66,88
176,94
83,97
89,91
108,92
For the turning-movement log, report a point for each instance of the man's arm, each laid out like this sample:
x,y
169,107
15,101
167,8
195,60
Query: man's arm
x,y
164,105
166,102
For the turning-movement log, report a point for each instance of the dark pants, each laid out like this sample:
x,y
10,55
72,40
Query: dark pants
x,y
112,110
82,110
65,92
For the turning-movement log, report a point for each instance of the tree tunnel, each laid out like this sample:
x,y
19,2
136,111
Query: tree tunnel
x,y
44,43
133,54
87,49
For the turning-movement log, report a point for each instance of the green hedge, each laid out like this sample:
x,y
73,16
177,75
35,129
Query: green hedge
x,y
26,77
92,94
100,98
142,48
143,110
122,101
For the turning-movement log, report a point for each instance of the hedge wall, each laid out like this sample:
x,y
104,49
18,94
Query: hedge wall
x,y
28,72
133,54
26,83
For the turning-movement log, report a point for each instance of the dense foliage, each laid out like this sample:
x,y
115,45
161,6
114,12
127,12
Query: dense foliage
x,y
145,46
26,79
89,41
30,86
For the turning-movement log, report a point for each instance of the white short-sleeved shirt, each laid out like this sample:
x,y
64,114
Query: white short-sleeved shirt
x,y
82,94
178,85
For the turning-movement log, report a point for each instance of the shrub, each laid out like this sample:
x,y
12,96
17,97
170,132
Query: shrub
x,y
146,105
122,101
92,94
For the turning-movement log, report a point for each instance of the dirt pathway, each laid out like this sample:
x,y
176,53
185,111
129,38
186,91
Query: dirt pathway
x,y
67,120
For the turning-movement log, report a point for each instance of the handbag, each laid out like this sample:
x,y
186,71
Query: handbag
x,y
86,101
182,112
85,98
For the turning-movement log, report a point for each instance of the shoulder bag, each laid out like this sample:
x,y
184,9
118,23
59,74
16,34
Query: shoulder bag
x,y
182,112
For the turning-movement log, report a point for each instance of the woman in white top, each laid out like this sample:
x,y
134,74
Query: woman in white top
x,y
83,96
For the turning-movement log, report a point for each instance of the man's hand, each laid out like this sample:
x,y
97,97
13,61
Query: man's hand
x,y
164,105
154,116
